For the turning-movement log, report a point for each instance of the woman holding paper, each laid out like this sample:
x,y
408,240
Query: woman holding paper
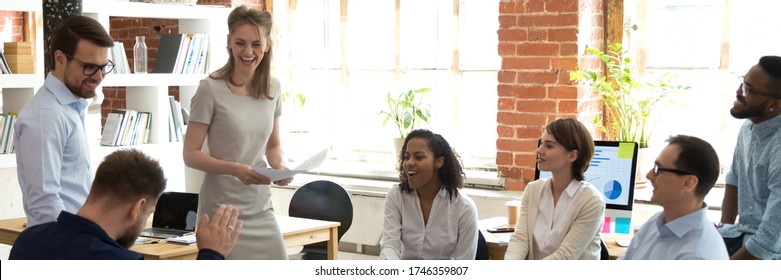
x,y
561,215
237,109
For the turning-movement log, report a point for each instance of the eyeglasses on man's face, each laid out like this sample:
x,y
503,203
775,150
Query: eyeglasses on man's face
x,y
658,169
90,69
746,89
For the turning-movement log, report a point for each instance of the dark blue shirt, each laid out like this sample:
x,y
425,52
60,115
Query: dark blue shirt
x,y
75,238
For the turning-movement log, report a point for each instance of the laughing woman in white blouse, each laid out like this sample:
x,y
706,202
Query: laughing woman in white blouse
x,y
560,216
426,217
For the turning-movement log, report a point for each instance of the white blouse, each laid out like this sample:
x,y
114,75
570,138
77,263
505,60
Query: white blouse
x,y
548,231
451,231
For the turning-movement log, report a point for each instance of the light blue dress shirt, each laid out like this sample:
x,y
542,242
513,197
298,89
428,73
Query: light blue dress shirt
x,y
52,155
691,237
756,172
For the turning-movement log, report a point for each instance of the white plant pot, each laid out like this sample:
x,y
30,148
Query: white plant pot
x,y
398,143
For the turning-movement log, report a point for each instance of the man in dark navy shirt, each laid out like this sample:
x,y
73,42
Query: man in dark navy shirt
x,y
124,193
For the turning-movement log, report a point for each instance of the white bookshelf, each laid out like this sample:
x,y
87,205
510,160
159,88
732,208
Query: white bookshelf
x,y
144,92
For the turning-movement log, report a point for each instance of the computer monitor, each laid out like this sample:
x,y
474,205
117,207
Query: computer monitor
x,y
612,172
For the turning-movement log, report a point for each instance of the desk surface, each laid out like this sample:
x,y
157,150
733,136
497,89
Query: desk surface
x,y
497,242
295,232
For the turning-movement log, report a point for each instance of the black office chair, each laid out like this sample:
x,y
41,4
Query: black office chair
x,y
604,254
322,200
482,247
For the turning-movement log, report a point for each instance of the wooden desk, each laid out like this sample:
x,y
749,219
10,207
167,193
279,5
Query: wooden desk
x,y
497,242
295,232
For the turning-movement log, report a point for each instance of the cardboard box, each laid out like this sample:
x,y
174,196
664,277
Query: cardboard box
x,y
21,63
21,48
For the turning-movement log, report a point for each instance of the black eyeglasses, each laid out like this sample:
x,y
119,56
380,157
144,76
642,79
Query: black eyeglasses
x,y
746,89
90,69
658,169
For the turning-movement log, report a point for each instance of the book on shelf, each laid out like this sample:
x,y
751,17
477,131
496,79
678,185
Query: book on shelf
x,y
201,64
111,129
4,68
181,56
168,53
6,138
176,114
119,57
9,138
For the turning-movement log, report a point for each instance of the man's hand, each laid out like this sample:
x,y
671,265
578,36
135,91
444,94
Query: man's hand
x,y
220,234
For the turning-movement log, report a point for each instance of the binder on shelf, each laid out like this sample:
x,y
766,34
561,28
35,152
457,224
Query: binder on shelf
x,y
4,68
9,145
111,129
168,53
176,113
6,139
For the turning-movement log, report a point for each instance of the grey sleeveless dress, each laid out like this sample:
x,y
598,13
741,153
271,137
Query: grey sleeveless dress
x,y
239,129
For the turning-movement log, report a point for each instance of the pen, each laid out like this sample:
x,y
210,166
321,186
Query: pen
x,y
154,241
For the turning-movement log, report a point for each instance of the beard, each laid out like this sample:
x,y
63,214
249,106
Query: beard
x,y
127,239
746,111
76,88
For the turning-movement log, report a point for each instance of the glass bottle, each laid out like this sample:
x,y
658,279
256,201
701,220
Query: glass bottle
x,y
139,55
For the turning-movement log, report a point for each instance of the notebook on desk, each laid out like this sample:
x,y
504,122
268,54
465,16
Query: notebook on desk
x,y
175,215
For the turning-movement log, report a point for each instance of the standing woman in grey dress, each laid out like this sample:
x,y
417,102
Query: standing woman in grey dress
x,y
237,109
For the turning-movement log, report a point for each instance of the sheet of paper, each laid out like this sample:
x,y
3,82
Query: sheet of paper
x,y
311,163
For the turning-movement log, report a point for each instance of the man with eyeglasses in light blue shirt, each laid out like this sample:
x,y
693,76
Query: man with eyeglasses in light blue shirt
x,y
683,174
753,192
52,149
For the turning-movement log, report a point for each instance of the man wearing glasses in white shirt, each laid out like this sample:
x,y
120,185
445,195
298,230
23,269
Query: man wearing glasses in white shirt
x,y
52,150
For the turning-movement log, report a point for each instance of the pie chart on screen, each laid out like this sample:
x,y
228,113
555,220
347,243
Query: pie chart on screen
x,y
612,189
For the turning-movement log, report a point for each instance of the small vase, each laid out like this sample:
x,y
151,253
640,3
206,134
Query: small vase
x,y
139,55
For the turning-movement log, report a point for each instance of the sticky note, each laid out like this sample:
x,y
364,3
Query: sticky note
x,y
606,225
626,150
622,225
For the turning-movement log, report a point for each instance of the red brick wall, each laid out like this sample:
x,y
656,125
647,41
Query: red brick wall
x,y
540,42
14,22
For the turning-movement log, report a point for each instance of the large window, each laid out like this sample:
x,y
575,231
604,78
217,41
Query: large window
x,y
708,44
346,56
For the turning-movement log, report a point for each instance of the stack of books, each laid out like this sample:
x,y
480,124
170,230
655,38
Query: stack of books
x,y
126,127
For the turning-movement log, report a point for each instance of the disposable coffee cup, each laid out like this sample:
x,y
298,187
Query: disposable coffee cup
x,y
513,212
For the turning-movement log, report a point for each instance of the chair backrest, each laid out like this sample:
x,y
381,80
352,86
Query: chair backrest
x,y
323,200
482,247
604,254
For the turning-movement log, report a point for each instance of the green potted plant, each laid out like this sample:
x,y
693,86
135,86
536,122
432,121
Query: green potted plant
x,y
407,111
298,134
628,101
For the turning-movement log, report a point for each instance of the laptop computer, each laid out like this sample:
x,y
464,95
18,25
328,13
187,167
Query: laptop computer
x,y
175,215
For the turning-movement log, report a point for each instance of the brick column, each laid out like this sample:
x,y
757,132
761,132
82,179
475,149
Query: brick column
x,y
540,42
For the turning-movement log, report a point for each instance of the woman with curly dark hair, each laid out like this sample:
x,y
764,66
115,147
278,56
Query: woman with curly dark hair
x,y
426,218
